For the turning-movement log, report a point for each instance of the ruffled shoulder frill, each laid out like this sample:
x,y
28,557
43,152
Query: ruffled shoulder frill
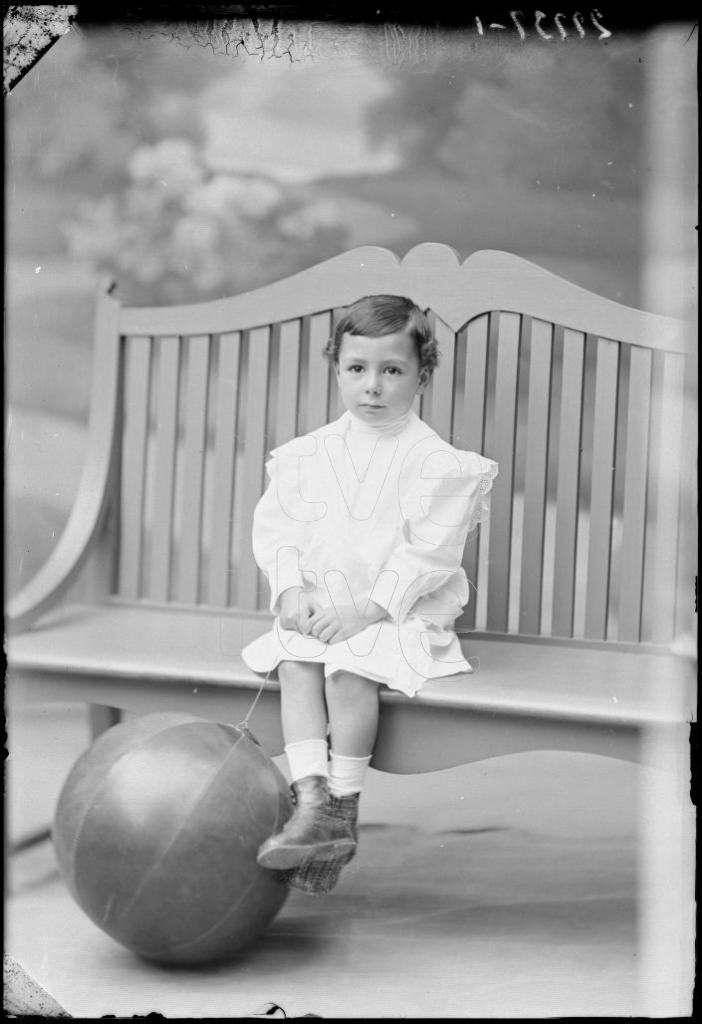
x,y
487,470
435,473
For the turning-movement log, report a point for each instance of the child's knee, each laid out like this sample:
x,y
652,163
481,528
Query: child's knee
x,y
348,685
300,672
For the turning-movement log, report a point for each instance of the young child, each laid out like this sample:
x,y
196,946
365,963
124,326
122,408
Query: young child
x,y
360,534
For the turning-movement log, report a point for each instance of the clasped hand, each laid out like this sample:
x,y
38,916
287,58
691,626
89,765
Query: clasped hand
x,y
300,611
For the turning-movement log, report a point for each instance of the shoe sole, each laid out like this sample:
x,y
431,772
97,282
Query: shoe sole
x,y
281,857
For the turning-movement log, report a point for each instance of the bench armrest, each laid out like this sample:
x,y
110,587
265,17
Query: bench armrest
x,y
94,491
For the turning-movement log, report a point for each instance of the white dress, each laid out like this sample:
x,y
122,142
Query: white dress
x,y
353,513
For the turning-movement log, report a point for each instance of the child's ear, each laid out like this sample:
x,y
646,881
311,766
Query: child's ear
x,y
423,380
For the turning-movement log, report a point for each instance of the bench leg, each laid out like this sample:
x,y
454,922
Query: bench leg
x,y
103,718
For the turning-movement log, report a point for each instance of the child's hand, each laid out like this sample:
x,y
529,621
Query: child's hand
x,y
296,609
331,625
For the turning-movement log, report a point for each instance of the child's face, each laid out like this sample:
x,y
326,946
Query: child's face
x,y
378,377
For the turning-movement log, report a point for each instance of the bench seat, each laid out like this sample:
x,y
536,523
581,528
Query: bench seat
x,y
523,695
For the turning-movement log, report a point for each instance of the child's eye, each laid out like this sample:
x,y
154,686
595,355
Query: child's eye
x,y
393,369
355,369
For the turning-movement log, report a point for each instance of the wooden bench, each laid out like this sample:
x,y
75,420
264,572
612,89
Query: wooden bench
x,y
584,578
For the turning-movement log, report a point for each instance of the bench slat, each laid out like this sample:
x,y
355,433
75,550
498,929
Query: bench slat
x,y
469,432
634,509
538,415
602,489
686,610
472,426
249,583
336,406
320,370
288,382
194,468
458,433
568,486
168,369
505,424
315,406
227,404
664,500
137,377
438,395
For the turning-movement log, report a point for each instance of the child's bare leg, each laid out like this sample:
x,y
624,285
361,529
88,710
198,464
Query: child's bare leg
x,y
353,706
302,704
312,831
352,703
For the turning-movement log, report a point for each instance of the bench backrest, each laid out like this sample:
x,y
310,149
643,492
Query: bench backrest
x,y
578,398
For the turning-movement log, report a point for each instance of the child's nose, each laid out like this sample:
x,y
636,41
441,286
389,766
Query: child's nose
x,y
373,385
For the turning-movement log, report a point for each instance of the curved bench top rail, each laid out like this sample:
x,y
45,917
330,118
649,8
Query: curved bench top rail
x,y
91,501
434,277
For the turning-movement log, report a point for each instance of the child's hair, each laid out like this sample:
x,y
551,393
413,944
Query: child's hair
x,y
374,316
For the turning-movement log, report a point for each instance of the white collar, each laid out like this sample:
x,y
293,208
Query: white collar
x,y
387,429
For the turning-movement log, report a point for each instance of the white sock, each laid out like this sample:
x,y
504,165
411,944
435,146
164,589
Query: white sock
x,y
308,757
347,774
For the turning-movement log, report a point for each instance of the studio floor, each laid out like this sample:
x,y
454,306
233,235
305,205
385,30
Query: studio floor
x,y
505,888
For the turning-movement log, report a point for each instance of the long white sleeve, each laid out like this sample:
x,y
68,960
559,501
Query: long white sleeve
x,y
439,509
